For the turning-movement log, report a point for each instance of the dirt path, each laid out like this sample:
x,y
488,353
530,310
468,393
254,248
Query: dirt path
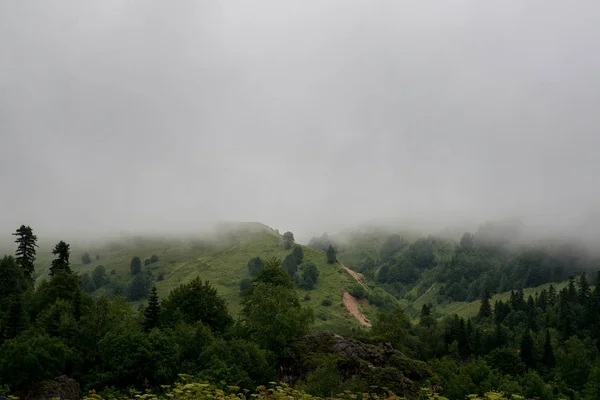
x,y
352,306
357,276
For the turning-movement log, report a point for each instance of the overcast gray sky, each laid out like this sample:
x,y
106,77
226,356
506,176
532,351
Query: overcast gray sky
x,y
304,115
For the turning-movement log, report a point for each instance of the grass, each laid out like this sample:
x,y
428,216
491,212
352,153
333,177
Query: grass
x,y
222,262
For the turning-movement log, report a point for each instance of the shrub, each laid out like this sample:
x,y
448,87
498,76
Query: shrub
x,y
357,291
85,258
307,297
326,302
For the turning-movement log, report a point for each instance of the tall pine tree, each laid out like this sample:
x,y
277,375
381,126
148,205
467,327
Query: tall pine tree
x,y
527,349
548,358
152,312
27,242
331,256
61,262
485,310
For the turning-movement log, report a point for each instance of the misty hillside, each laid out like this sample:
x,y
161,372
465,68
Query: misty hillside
x,y
221,258
452,273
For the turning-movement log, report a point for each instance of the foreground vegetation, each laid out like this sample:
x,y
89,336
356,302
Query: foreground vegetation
x,y
537,346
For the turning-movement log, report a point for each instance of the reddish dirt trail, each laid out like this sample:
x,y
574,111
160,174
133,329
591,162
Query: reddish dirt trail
x,y
352,306
350,301
357,276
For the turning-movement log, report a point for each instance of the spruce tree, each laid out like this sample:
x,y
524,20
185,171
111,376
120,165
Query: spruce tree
x,y
298,254
152,312
331,256
543,300
289,264
485,310
425,311
572,290
135,265
551,295
548,358
527,349
61,262
584,291
27,242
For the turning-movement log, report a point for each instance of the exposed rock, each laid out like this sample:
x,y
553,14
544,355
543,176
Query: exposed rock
x,y
356,357
63,388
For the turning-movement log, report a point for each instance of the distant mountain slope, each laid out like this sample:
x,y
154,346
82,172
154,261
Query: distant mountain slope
x,y
222,260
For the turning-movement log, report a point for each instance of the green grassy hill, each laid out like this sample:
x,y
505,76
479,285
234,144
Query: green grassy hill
x,y
222,260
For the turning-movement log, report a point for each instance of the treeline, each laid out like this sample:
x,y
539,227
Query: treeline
x,y
57,329
544,346
479,263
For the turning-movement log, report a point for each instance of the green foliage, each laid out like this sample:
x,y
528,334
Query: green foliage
x,y
32,357
197,301
467,241
152,312
135,265
288,240
298,254
393,326
331,255
357,290
255,265
326,380
310,275
12,279
485,311
271,311
273,274
99,276
290,265
139,287
326,302
245,284
85,258
61,262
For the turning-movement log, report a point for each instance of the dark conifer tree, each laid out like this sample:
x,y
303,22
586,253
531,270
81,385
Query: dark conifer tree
x,y
289,264
331,256
61,262
255,265
152,312
485,310
548,358
425,311
552,296
526,353
584,291
571,290
135,265
543,300
27,242
298,254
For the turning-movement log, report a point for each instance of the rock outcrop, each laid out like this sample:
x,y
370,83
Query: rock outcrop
x,y
355,359
63,388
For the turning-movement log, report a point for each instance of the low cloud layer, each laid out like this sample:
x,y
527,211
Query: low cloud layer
x,y
308,115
